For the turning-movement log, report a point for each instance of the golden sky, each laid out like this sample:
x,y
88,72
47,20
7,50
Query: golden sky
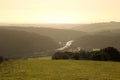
x,y
59,11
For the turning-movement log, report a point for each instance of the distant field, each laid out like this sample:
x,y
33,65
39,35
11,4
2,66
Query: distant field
x,y
47,69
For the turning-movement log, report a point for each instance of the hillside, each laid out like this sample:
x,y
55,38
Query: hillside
x,y
59,35
98,41
101,35
97,35
46,69
16,43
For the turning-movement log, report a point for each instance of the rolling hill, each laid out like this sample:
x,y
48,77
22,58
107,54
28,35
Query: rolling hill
x,y
101,35
16,43
98,41
97,35
59,35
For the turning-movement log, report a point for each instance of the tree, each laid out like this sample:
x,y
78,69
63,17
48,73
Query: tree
x,y
62,55
110,53
81,55
105,54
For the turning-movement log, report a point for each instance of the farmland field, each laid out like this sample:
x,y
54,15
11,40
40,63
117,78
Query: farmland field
x,y
47,69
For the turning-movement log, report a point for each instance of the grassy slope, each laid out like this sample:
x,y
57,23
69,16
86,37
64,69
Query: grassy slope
x,y
46,69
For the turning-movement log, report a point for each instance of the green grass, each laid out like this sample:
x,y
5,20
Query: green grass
x,y
47,69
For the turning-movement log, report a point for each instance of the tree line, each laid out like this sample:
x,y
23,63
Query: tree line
x,y
105,54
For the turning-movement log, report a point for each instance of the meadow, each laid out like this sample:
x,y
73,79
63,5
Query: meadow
x,y
47,69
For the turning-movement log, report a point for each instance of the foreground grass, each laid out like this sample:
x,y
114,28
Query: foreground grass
x,y
47,69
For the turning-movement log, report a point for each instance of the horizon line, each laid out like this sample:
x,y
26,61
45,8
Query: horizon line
x,y
60,23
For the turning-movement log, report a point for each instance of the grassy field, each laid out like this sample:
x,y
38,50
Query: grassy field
x,y
47,69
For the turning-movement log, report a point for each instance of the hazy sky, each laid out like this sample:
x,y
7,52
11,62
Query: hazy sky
x,y
59,11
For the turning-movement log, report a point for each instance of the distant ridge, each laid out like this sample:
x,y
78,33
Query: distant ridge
x,y
75,26
59,35
98,27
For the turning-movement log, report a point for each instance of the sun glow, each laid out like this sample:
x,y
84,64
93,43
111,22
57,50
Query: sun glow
x,y
59,11
58,19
